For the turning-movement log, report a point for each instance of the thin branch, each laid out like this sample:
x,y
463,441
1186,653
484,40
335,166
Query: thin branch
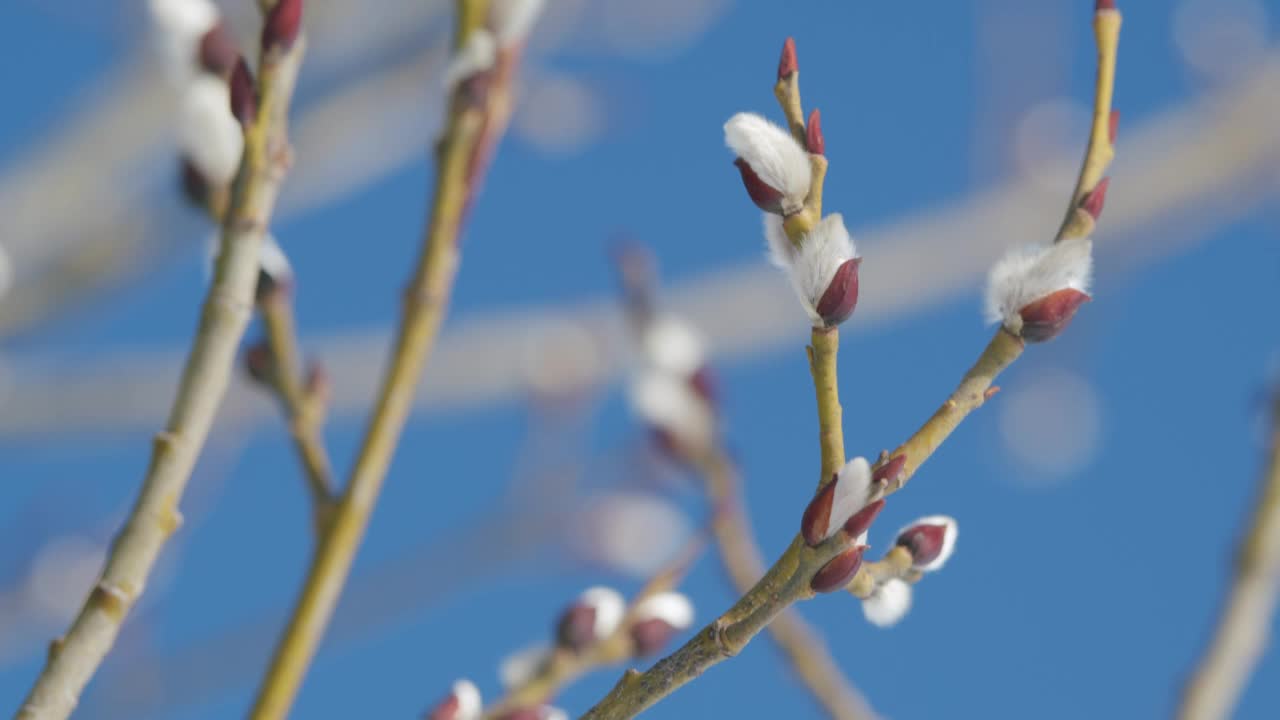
x,y
228,304
303,404
1240,639
824,344
564,666
476,119
788,581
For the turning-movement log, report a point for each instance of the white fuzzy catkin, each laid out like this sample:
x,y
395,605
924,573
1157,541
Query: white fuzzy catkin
x,y
511,20
1029,273
478,54
949,535
209,135
671,607
470,706
775,156
780,250
853,489
520,666
609,606
672,345
822,251
669,403
888,604
179,25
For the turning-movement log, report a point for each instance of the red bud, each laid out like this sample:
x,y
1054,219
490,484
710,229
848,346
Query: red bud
x,y
521,714
260,363
788,63
651,635
817,515
194,186
446,710
924,542
1101,5
218,51
838,571
576,629
1043,319
1093,200
813,134
841,296
889,471
861,520
766,197
280,29
703,382
244,99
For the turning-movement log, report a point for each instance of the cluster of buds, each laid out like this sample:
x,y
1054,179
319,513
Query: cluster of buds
x,y
672,388
849,502
778,172
200,57
929,541
599,612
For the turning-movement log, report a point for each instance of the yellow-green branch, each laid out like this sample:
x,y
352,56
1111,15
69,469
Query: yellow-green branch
x,y
471,127
228,305
1240,639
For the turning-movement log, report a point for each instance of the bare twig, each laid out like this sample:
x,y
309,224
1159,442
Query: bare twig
x,y
224,317
1241,636
303,404
476,119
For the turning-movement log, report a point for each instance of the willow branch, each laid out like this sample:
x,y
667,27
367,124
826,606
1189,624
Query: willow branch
x,y
228,304
565,666
804,648
303,406
788,580
1240,639
472,127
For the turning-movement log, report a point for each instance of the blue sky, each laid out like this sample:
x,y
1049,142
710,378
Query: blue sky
x,y
1087,591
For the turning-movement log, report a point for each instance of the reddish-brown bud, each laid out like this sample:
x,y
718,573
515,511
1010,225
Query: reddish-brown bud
x,y
930,540
860,521
280,29
1093,200
838,571
841,296
703,382
521,714
446,710
462,703
1101,5
195,188
260,363
788,63
1043,319
218,52
889,471
650,636
766,197
817,515
576,629
813,134
244,98
1113,126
